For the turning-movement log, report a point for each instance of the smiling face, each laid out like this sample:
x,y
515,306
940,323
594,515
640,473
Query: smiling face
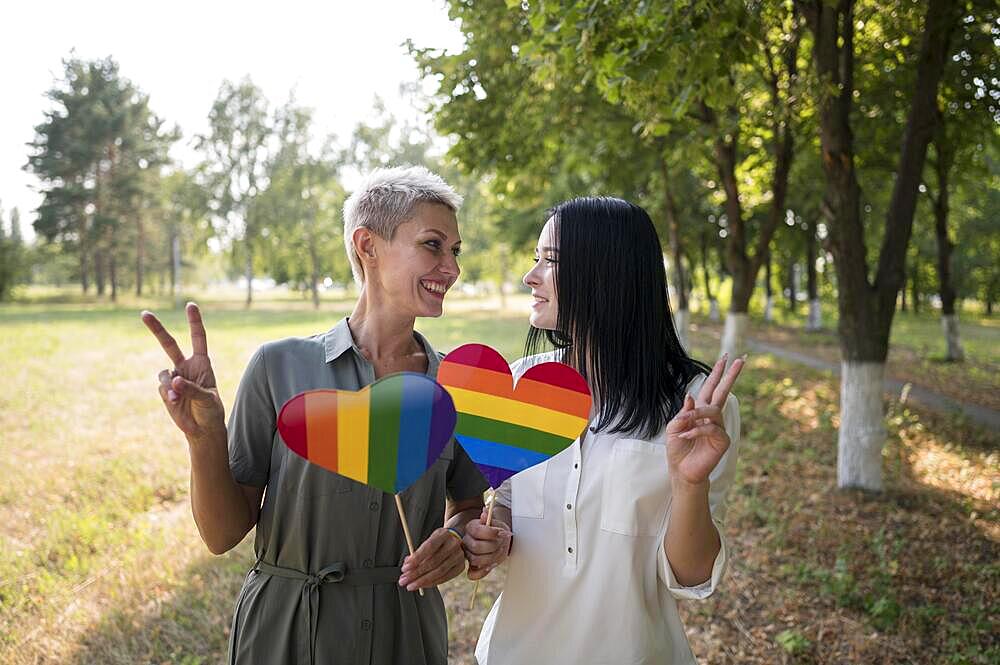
x,y
415,269
542,279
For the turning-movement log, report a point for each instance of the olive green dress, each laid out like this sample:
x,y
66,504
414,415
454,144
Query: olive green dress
x,y
324,588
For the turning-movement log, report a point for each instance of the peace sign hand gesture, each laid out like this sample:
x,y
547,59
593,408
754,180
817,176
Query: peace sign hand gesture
x,y
188,391
696,436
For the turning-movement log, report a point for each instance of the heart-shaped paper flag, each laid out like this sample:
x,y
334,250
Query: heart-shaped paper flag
x,y
506,429
385,435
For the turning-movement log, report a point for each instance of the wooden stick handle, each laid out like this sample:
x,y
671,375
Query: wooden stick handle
x,y
406,528
489,521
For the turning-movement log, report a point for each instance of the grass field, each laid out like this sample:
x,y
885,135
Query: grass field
x,y
100,561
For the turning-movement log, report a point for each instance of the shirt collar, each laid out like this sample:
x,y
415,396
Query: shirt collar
x,y
339,339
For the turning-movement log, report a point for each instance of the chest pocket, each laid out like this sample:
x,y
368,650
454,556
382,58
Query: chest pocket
x,y
635,489
527,492
299,477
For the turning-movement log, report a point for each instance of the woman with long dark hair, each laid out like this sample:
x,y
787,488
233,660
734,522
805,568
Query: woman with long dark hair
x,y
610,532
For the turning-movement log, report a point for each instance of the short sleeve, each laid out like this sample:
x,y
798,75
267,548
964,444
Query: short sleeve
x,y
464,479
719,481
252,425
504,494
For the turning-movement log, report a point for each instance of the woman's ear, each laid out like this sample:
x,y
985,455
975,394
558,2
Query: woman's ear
x,y
364,245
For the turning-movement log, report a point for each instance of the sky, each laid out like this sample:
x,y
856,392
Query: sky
x,y
337,56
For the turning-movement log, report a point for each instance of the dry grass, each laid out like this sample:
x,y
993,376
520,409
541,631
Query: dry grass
x,y
100,561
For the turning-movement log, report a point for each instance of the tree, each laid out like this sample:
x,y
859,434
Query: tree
x,y
866,308
13,255
969,115
568,139
186,225
300,210
97,154
731,68
239,143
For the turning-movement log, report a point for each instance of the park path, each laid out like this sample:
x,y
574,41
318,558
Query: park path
x,y
981,415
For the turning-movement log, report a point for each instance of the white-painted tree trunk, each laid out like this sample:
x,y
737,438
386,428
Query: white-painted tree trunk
x,y
949,323
682,320
815,316
862,426
769,309
713,311
734,334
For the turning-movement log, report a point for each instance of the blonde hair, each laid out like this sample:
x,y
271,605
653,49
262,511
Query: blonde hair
x,y
386,199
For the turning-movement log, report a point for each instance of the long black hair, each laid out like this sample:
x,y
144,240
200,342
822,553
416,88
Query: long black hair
x,y
614,323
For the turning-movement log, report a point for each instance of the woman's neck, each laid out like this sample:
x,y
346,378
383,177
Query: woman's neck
x,y
382,335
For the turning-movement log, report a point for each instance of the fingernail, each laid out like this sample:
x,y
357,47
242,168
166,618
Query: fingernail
x,y
171,395
411,587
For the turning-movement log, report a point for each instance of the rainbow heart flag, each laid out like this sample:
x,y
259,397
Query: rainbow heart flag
x,y
506,429
385,435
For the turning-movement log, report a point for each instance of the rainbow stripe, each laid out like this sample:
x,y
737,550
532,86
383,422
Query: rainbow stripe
x,y
385,435
506,429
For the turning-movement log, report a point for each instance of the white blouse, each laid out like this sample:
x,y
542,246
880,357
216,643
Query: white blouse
x,y
588,581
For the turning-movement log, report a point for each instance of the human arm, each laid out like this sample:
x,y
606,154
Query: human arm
x,y
697,441
223,509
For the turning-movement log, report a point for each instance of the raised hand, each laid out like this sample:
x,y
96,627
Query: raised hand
x,y
188,390
696,436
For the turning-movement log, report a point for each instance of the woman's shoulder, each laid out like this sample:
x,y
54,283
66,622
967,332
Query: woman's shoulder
x,y
292,348
522,365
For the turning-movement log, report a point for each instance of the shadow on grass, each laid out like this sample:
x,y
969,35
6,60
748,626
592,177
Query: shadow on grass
x,y
820,575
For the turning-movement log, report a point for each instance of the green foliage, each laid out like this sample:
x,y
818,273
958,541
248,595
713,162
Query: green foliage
x,y
14,256
793,642
98,154
300,211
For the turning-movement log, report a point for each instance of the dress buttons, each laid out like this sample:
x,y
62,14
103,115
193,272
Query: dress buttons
x,y
569,506
576,466
368,563
569,549
366,625
373,505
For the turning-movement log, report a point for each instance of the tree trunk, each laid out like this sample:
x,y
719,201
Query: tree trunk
x,y
744,268
862,428
99,265
945,247
84,270
739,265
815,321
866,310
768,292
793,284
682,315
113,275
249,276
314,273
734,333
140,252
504,269
713,303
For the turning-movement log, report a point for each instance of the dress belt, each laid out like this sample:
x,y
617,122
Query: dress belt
x,y
335,573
